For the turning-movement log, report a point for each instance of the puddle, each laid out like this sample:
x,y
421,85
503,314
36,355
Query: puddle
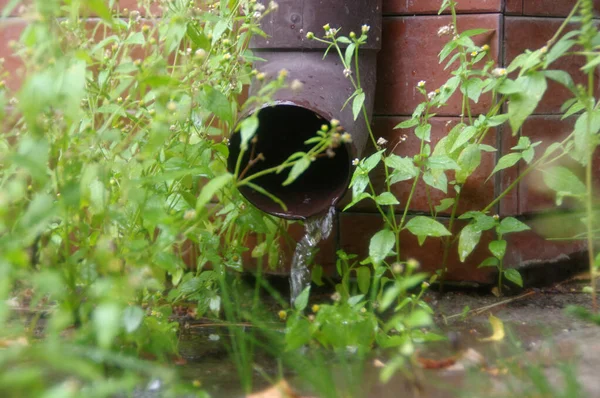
x,y
537,332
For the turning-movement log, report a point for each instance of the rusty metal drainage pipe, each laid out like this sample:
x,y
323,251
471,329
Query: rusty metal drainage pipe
x,y
297,115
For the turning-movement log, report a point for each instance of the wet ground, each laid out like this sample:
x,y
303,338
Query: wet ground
x,y
545,353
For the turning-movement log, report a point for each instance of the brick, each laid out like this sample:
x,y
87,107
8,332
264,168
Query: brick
x,y
530,248
10,30
410,48
356,231
402,7
534,195
476,193
25,6
513,7
552,8
533,33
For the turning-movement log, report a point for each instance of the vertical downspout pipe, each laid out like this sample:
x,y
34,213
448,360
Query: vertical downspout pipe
x,y
295,116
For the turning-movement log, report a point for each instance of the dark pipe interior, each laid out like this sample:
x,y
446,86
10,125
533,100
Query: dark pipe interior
x,y
282,131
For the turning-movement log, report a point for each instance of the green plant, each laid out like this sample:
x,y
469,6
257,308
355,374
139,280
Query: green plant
x,y
471,235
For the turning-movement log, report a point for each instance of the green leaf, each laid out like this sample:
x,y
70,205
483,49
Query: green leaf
x,y
355,200
248,128
558,50
511,224
586,141
220,28
100,8
386,198
425,226
297,333
132,318
444,205
498,248
591,65
468,241
301,301
107,321
349,53
442,162
514,276
506,161
404,168
317,275
39,213
357,104
407,124
372,161
436,179
468,160
360,180
564,183
216,102
522,104
136,38
509,86
298,168
423,132
465,135
497,120
472,88
381,245
263,191
561,77
489,262
363,275
210,189
259,250
473,32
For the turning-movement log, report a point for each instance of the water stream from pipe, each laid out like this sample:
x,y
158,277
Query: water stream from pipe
x,y
317,228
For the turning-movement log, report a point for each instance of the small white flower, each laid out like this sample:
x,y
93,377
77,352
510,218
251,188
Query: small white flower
x,y
257,14
259,7
365,28
444,30
355,162
296,85
336,297
347,72
499,72
200,53
189,215
421,84
397,268
431,95
273,6
381,141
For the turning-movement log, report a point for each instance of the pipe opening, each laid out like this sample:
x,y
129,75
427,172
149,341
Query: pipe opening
x,y
282,131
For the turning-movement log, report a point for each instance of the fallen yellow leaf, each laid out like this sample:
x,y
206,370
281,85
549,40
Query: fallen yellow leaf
x,y
279,390
497,330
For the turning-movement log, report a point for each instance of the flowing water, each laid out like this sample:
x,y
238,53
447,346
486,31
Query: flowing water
x,y
317,228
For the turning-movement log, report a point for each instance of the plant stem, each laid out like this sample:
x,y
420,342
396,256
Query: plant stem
x,y
523,175
449,241
589,198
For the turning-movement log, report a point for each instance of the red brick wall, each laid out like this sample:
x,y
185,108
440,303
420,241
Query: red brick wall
x,y
409,54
